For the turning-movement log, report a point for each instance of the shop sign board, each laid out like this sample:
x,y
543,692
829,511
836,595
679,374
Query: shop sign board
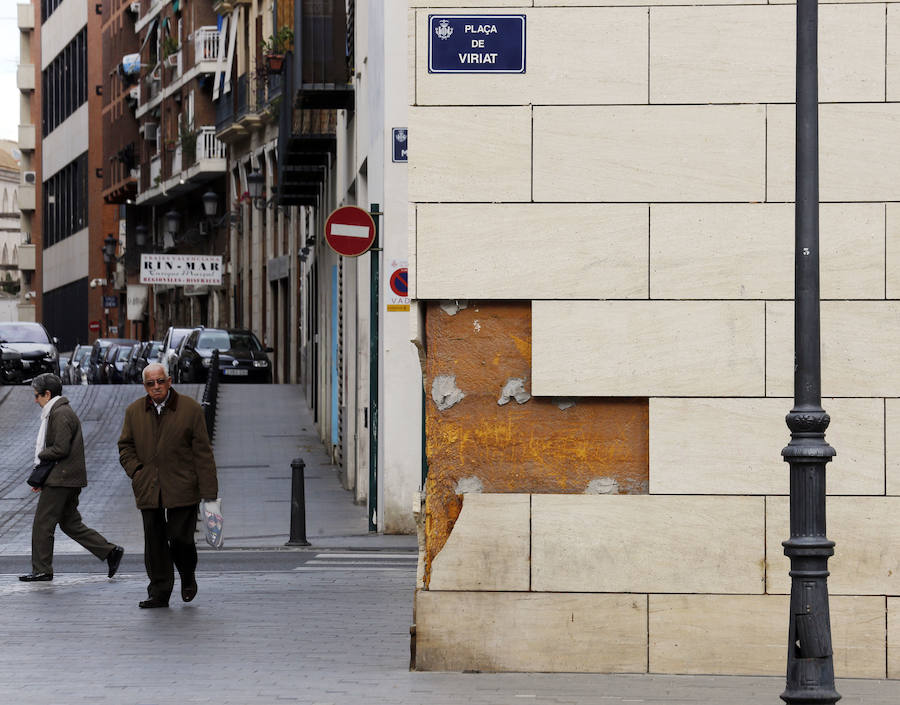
x,y
181,270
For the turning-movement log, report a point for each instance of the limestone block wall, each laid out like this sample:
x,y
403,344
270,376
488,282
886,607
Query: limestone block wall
x,y
632,191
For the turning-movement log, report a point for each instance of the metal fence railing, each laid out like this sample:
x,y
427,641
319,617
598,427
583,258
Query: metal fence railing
x,y
211,394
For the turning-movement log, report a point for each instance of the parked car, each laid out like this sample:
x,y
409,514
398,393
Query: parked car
x,y
173,338
98,355
241,356
116,361
36,348
11,371
74,373
147,353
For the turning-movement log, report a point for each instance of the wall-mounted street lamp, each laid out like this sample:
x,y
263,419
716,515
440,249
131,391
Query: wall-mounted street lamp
x,y
255,185
109,249
211,207
173,222
140,236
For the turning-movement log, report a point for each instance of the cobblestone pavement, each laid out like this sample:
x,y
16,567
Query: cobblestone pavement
x,y
269,625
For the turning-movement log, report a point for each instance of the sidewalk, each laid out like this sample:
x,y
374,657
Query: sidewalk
x,y
259,430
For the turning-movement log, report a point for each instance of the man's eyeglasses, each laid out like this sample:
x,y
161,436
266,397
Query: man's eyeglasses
x,y
155,382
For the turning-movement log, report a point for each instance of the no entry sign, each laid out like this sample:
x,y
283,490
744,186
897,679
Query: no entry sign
x,y
350,231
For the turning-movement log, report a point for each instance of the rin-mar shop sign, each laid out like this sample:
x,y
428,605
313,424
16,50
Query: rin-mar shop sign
x,y
476,44
181,270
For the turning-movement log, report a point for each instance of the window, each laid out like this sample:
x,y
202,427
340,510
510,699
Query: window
x,y
64,83
65,201
48,7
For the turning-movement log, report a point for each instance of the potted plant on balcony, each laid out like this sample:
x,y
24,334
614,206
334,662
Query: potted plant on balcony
x,y
188,138
170,50
275,46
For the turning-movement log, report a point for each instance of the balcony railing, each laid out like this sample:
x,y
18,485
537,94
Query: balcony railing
x,y
208,147
206,44
155,171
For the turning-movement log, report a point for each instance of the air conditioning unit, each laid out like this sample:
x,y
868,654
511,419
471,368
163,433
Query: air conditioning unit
x,y
148,129
135,7
135,93
29,178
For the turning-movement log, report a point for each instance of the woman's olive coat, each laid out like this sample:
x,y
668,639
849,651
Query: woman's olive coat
x,y
168,456
64,444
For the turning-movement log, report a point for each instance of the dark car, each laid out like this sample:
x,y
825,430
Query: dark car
x,y
11,371
241,356
147,352
168,352
98,356
37,349
117,358
74,372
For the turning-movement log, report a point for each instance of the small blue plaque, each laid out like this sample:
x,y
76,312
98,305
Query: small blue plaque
x,y
476,44
110,302
401,141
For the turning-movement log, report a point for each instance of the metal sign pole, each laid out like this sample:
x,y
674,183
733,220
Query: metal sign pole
x,y
374,304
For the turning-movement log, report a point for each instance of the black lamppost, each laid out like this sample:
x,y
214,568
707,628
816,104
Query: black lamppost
x,y
109,258
810,667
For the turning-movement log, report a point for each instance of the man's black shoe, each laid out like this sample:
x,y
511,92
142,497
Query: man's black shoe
x,y
113,559
36,577
188,588
152,603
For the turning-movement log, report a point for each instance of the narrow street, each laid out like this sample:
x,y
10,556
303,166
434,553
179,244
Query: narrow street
x,y
324,625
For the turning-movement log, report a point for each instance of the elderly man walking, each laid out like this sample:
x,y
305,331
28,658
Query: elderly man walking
x,y
165,450
60,440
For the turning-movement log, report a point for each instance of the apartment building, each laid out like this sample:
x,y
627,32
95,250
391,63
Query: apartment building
x,y
62,164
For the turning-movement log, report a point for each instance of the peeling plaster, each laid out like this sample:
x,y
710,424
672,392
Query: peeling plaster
x,y
469,485
453,306
514,389
445,393
602,485
564,403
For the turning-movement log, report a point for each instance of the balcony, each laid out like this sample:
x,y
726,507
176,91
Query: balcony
x,y
26,197
193,161
26,138
25,14
246,112
206,49
321,65
307,145
25,77
155,171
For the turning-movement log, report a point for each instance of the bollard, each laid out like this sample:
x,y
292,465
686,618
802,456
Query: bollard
x,y
298,505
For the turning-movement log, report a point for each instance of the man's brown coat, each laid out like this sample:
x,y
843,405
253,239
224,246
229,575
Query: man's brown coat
x,y
168,456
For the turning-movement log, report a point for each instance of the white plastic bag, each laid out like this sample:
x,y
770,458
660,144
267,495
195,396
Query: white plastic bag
x,y
212,520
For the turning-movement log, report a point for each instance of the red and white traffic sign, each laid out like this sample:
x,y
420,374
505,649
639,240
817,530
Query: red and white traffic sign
x,y
350,231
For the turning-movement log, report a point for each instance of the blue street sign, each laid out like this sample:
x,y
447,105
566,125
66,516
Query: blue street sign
x,y
400,140
476,44
110,302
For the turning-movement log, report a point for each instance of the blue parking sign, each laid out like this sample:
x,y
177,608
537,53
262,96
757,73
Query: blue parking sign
x,y
476,43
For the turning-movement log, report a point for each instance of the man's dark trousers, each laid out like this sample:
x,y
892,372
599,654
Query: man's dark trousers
x,y
168,541
59,505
